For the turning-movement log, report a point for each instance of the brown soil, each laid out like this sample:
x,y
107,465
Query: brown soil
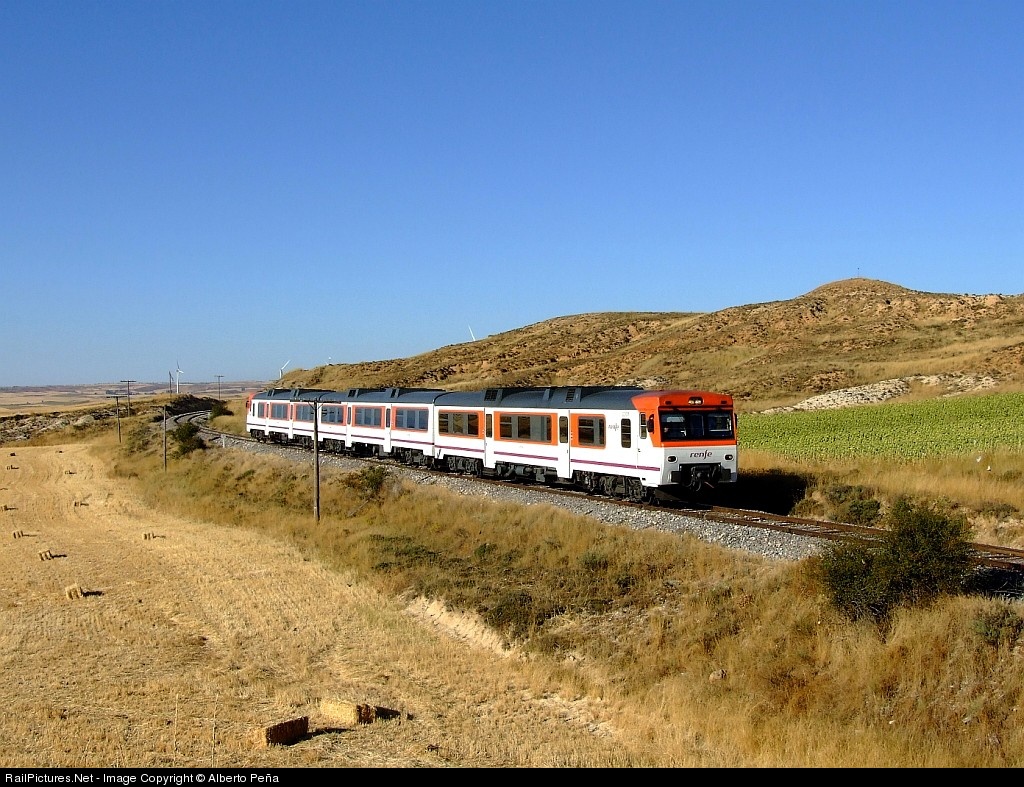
x,y
134,639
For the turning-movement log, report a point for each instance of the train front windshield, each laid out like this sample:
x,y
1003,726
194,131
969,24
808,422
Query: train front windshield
x,y
677,425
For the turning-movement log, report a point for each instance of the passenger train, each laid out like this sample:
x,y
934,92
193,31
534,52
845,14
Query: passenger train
x,y
619,441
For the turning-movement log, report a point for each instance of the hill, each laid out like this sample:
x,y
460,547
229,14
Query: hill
x,y
849,333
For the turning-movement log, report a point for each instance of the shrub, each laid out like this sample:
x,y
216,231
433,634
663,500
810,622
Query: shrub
x,y
999,627
924,554
370,483
188,439
218,409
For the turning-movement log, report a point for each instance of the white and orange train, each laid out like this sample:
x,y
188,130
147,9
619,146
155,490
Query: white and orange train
x,y
619,441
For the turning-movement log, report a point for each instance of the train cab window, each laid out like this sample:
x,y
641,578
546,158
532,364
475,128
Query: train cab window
x,y
563,429
719,424
590,431
626,432
673,426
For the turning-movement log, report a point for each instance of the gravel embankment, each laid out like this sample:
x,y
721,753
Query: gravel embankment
x,y
770,544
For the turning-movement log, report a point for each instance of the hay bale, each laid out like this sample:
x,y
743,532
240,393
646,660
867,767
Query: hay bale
x,y
73,591
45,554
349,714
283,733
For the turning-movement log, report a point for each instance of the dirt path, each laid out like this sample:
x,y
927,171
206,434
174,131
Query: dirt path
x,y
134,639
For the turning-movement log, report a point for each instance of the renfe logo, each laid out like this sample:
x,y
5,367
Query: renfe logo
x,y
705,454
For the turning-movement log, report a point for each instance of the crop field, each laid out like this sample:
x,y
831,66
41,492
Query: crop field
x,y
949,427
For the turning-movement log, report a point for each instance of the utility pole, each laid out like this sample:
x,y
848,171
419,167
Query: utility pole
x,y
219,377
316,461
129,383
165,438
117,408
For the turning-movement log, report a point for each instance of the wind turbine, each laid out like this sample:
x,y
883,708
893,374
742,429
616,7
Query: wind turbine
x,y
178,372
472,335
282,369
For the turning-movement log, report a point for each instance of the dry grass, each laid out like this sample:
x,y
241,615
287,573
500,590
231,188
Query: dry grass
x,y
668,651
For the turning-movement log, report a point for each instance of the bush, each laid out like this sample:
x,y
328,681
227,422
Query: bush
x,y
188,439
925,553
218,409
371,483
999,627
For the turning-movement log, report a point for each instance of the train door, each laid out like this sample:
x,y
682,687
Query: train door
x,y
489,440
563,466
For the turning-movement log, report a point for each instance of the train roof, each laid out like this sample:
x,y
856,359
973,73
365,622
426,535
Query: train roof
x,y
560,397
288,394
597,397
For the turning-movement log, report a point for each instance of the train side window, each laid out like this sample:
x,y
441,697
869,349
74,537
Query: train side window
x,y
563,429
527,428
490,424
367,416
387,418
591,431
626,432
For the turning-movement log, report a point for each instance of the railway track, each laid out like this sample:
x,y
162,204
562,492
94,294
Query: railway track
x,y
987,556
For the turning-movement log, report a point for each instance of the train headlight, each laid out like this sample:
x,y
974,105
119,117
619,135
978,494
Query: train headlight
x,y
671,459
728,457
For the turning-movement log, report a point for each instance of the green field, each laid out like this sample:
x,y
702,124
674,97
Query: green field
x,y
950,427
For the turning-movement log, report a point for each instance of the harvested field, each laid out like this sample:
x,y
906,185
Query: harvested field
x,y
146,640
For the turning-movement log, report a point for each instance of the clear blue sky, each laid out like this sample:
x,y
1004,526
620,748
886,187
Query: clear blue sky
x,y
233,185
